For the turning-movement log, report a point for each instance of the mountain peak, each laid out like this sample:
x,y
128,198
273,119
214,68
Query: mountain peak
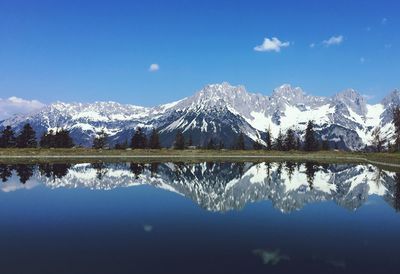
x,y
349,93
353,100
392,99
287,89
223,88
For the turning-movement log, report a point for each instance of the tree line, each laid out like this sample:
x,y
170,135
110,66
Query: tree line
x,y
27,138
289,141
283,142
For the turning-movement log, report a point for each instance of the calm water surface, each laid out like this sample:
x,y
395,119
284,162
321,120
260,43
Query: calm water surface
x,y
199,218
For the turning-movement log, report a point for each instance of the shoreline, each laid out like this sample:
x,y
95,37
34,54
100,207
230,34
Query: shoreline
x,y
383,159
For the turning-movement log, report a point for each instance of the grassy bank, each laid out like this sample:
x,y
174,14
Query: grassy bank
x,y
163,155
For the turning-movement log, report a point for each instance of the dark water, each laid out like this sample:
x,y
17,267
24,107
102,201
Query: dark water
x,y
199,218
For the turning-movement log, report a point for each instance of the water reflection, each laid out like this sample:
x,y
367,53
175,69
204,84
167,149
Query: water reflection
x,y
224,186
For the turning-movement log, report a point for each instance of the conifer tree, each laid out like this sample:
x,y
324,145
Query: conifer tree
x,y
100,141
310,143
7,138
122,145
211,144
298,143
27,137
62,139
325,144
154,142
221,145
240,142
268,140
139,140
179,140
46,140
279,141
336,146
257,145
190,142
290,140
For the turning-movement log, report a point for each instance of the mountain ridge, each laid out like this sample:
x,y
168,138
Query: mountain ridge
x,y
220,112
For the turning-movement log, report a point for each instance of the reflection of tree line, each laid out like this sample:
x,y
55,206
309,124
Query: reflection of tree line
x,y
59,170
25,172
310,169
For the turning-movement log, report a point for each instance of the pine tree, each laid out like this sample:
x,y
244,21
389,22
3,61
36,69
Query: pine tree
x,y
179,141
7,138
298,143
139,140
221,145
211,144
325,144
190,142
310,143
60,139
27,137
268,140
154,142
44,141
279,141
290,140
122,145
336,146
257,145
63,139
240,142
396,123
100,141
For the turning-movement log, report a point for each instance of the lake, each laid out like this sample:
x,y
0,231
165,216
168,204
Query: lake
x,y
222,217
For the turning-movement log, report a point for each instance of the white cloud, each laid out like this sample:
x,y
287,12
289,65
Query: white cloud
x,y
312,45
273,44
334,40
362,60
154,67
384,21
15,105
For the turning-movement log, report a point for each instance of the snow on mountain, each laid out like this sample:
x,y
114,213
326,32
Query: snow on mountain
x,y
226,186
220,112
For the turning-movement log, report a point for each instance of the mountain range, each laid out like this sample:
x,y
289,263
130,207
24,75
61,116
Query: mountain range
x,y
221,112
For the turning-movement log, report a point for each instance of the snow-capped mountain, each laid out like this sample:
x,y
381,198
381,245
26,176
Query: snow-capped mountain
x,y
221,111
225,186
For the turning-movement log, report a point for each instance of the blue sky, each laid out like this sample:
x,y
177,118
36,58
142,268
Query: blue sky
x,y
102,50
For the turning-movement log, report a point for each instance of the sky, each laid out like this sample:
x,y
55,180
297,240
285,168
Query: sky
x,y
153,52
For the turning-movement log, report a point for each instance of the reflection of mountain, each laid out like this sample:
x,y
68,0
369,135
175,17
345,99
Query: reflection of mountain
x,y
225,186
